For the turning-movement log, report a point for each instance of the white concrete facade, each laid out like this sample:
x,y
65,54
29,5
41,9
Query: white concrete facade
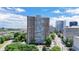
x,y
70,32
76,43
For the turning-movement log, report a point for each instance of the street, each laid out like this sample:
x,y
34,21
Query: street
x,y
58,41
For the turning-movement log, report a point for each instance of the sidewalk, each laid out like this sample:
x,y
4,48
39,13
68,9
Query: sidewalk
x,y
5,44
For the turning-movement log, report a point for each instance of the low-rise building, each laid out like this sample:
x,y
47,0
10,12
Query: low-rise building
x,y
76,43
71,31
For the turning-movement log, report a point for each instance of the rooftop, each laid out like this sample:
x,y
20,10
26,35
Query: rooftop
x,y
72,27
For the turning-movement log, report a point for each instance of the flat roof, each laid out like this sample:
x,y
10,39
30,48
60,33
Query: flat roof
x,y
71,27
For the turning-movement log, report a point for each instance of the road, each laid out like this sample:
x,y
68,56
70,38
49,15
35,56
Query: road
x,y
3,48
58,41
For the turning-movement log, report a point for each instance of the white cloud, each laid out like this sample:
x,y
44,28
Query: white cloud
x,y
11,9
56,11
73,11
19,10
2,9
7,10
14,20
3,16
9,19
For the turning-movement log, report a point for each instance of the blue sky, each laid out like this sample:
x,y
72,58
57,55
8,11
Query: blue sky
x,y
16,17
48,11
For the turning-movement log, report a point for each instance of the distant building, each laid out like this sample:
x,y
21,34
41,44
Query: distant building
x,y
60,25
37,28
73,23
71,31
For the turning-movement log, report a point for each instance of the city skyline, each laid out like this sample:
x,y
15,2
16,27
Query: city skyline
x,y
16,17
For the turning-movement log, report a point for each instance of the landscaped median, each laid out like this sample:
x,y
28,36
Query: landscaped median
x,y
19,46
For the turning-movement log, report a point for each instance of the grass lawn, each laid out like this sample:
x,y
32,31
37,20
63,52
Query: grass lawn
x,y
1,45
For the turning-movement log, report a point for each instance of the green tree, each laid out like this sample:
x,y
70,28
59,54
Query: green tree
x,y
21,36
1,40
63,40
16,34
16,39
7,37
47,41
55,48
69,42
53,35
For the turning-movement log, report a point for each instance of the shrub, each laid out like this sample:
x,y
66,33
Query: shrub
x,y
55,48
47,41
20,47
11,47
32,48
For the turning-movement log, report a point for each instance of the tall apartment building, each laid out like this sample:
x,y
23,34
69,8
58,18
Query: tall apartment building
x,y
37,28
60,25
